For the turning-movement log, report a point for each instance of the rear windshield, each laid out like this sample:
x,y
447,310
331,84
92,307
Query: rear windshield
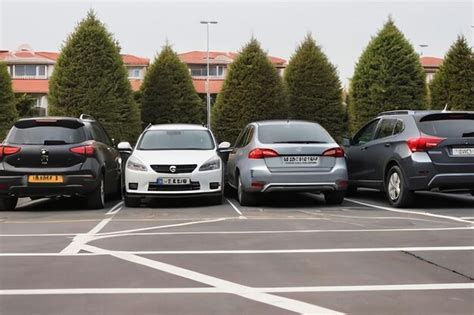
x,y
293,133
46,135
448,125
176,140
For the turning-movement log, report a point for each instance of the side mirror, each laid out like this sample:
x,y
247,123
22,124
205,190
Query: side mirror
x,y
346,141
223,146
124,147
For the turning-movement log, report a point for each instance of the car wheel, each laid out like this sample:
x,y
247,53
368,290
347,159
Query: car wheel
x,y
245,198
96,199
396,189
334,197
8,203
132,202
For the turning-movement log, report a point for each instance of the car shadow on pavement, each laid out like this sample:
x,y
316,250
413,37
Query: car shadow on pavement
x,y
57,204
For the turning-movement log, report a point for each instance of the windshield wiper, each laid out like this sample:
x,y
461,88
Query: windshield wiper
x,y
468,134
309,141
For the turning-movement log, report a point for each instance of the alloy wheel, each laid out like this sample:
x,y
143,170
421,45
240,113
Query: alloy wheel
x,y
394,186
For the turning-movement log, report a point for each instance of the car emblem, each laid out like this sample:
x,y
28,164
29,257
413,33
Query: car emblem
x,y
172,169
44,156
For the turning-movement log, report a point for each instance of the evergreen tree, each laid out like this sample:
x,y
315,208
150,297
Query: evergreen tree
x,y
252,91
90,77
24,104
314,89
388,76
8,113
168,94
453,84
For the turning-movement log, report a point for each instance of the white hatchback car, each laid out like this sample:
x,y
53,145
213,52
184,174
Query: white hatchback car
x,y
174,160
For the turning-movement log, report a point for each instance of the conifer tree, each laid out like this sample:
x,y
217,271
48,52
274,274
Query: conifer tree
x,y
314,89
90,77
168,94
388,76
453,84
253,90
8,112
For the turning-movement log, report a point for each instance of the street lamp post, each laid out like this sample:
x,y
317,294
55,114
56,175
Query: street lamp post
x,y
207,76
421,48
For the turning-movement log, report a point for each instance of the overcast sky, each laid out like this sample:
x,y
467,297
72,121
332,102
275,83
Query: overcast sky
x,y
342,28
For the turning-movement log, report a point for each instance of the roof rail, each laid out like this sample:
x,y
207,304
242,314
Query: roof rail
x,y
148,126
86,116
396,112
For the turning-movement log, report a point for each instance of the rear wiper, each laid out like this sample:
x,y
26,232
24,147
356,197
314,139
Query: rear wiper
x,y
468,134
54,142
300,142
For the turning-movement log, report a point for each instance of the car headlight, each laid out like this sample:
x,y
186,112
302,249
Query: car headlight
x,y
213,163
136,165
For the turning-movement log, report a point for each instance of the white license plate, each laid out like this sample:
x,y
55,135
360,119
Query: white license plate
x,y
173,181
463,151
291,160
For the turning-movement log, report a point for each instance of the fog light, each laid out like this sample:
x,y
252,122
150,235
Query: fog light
x,y
133,186
214,185
341,184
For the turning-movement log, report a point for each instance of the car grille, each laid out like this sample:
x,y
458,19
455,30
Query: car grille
x,y
180,169
155,187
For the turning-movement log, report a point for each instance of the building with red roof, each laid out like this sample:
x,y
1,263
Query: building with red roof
x,y
30,71
431,66
218,67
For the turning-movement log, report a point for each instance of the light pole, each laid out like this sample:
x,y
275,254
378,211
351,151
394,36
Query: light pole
x,y
207,76
421,48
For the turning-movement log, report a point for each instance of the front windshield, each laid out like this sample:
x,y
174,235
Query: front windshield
x,y
176,140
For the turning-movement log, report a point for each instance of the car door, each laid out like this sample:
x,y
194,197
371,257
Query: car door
x,y
231,162
358,159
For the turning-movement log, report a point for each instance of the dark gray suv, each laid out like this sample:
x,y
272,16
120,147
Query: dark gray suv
x,y
404,151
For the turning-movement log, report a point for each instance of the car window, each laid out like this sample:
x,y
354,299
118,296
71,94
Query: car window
x,y
46,135
242,137
399,126
293,133
366,134
453,125
385,128
99,134
249,136
176,140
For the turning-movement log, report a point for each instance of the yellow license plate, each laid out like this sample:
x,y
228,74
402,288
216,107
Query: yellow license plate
x,y
50,179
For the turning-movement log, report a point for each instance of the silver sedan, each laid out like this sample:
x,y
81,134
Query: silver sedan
x,y
286,155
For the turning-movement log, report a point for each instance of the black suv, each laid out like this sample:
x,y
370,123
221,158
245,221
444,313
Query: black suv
x,y
58,156
404,151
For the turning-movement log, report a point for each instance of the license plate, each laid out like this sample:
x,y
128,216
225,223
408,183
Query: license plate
x,y
463,151
289,160
173,181
49,179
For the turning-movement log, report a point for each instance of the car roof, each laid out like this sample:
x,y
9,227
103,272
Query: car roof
x,y
417,113
177,127
282,121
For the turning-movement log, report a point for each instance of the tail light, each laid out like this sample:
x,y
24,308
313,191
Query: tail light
x,y
334,152
8,150
262,153
86,150
423,143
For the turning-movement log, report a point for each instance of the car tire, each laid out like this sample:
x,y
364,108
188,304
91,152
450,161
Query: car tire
x,y
351,190
334,197
397,192
96,199
243,197
132,202
8,203
117,194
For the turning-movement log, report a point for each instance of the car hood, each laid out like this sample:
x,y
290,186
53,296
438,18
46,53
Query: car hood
x,y
170,157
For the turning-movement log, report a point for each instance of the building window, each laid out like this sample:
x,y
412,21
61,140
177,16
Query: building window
x,y
29,71
134,73
201,71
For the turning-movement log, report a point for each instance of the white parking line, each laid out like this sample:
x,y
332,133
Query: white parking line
x,y
80,239
224,285
301,251
115,208
350,288
410,212
236,209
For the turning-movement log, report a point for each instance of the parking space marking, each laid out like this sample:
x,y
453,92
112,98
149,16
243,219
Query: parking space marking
x,y
410,212
236,209
80,239
224,285
115,208
302,251
350,288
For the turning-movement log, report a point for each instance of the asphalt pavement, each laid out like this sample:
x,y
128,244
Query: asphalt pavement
x,y
292,254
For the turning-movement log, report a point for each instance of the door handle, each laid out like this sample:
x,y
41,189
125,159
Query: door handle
x,y
387,145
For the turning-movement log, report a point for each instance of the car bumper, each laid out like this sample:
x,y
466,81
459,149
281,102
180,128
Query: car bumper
x,y
261,179
73,185
202,183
